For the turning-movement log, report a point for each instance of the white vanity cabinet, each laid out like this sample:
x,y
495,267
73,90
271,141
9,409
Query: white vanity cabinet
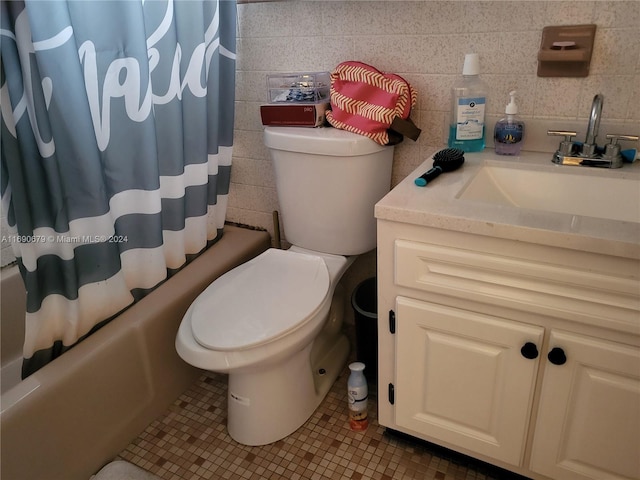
x,y
588,423
460,377
522,355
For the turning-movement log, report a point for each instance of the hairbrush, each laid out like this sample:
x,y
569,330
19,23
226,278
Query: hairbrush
x,y
445,160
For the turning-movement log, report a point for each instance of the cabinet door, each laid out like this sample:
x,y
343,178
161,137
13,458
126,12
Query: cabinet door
x,y
461,378
588,424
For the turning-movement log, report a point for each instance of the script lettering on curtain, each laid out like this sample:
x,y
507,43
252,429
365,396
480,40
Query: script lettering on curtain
x,y
123,78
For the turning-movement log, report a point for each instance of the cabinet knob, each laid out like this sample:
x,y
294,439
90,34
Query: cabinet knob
x,y
557,356
529,350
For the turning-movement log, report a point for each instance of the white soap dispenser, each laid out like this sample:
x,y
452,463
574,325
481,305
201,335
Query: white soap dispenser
x,y
509,131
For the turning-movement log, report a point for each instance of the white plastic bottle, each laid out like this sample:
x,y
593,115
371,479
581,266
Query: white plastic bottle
x,y
509,131
357,395
468,108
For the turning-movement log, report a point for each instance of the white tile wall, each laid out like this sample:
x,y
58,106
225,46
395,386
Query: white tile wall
x,y
425,41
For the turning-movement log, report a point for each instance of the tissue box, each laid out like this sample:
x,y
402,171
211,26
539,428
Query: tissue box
x,y
294,114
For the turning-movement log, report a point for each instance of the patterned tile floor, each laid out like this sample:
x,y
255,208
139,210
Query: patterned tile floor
x,y
190,442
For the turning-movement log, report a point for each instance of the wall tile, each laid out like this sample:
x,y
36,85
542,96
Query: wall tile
x,y
518,53
633,109
614,51
252,172
398,54
258,20
354,18
616,91
248,115
251,87
425,41
617,14
434,91
249,144
433,128
306,18
557,97
500,16
413,18
334,50
569,13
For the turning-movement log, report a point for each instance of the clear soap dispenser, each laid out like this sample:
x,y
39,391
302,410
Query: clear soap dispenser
x,y
509,131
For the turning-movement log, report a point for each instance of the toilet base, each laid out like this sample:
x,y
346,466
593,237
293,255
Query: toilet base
x,y
266,406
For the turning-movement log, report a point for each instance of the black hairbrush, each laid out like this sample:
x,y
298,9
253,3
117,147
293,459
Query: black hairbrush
x,y
445,160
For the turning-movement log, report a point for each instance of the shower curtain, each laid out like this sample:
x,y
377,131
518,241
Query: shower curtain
x,y
117,130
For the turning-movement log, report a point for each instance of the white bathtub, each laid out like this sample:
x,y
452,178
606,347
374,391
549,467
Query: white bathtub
x,y
75,414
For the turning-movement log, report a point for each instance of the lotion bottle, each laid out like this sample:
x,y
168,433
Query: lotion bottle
x,y
468,105
509,131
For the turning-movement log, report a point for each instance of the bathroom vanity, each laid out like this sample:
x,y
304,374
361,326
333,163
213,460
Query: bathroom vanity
x,y
509,315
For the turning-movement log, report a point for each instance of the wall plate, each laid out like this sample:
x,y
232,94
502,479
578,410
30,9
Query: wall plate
x,y
565,51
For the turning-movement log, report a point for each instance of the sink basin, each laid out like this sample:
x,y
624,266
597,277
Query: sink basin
x,y
592,193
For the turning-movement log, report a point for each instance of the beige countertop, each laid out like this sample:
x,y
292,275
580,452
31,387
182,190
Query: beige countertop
x,y
438,205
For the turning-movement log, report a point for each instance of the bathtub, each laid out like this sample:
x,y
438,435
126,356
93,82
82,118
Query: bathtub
x,y
74,415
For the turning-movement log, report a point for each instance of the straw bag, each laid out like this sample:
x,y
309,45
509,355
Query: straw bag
x,y
371,103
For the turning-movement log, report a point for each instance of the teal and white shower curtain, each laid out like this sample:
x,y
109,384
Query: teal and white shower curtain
x,y
117,130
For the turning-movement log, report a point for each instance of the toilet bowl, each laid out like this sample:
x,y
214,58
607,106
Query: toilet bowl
x,y
269,323
274,324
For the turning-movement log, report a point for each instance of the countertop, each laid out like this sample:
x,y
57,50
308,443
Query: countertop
x,y
438,205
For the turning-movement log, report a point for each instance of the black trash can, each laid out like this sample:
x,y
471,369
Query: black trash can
x,y
364,301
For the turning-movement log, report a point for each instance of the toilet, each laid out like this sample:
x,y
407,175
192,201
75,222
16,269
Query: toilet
x,y
274,323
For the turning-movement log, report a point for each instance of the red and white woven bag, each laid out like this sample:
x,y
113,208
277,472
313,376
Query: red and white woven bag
x,y
371,103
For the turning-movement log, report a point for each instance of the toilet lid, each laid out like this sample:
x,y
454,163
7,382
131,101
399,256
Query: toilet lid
x,y
259,300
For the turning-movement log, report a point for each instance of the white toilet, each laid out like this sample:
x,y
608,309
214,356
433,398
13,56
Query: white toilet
x,y
274,323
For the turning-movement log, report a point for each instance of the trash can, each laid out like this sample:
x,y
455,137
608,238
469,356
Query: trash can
x,y
364,301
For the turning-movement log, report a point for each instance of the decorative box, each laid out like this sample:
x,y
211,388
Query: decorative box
x,y
294,114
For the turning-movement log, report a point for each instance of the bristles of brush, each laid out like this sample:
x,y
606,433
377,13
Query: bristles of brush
x,y
448,154
448,159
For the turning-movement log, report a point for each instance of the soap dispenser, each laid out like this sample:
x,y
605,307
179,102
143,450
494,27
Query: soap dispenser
x,y
509,131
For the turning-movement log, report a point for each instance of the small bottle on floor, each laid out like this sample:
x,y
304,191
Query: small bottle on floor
x,y
357,395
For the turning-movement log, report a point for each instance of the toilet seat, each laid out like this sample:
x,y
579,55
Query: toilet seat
x,y
260,300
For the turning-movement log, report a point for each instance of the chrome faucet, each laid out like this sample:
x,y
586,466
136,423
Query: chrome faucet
x,y
589,146
588,153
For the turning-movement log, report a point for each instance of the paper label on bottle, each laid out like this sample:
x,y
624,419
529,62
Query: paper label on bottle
x,y
470,118
509,133
357,397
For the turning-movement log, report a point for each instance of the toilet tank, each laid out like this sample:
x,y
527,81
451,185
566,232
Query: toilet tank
x,y
328,181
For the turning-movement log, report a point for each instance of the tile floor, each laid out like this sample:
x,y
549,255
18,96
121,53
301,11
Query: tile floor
x,y
190,442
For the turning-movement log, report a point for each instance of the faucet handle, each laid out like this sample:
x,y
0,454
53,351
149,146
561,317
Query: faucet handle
x,y
562,133
612,149
614,137
566,146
